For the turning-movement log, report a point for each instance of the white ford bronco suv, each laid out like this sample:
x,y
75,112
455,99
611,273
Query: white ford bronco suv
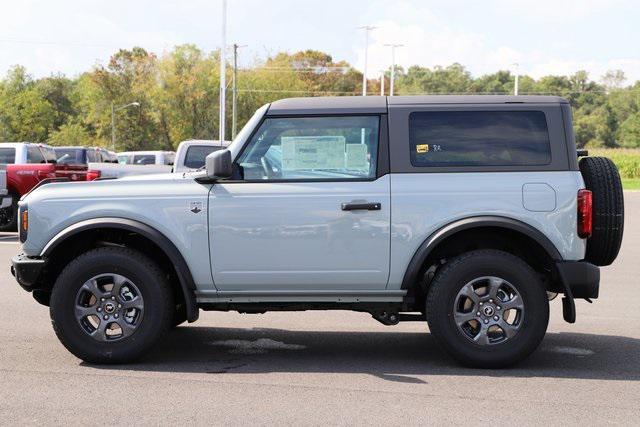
x,y
467,212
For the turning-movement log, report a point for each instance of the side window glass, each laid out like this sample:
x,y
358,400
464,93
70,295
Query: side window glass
x,y
313,148
479,138
34,155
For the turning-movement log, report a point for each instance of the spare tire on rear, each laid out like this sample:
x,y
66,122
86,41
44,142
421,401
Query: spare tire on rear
x,y
602,178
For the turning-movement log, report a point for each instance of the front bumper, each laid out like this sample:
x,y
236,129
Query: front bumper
x,y
27,271
580,277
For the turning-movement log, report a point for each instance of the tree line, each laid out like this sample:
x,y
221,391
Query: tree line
x,y
178,96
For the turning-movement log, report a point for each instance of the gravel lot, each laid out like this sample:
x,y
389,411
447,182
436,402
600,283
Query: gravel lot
x,y
329,367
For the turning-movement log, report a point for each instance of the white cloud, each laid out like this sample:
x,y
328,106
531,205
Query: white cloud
x,y
430,41
553,11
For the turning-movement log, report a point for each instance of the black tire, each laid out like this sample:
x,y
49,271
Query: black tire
x,y
602,178
148,278
458,272
9,216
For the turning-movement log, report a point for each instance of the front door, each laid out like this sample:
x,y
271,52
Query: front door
x,y
309,210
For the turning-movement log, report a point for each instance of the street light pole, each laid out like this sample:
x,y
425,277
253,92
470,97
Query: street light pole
x,y
235,90
223,66
113,128
393,65
366,29
113,120
515,87
381,82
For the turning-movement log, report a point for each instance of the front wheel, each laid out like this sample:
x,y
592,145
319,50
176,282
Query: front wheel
x,y
110,305
487,309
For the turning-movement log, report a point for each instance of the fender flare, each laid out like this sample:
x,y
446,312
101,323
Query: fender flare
x,y
431,242
185,278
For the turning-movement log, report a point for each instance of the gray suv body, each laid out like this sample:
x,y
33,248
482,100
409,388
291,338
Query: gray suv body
x,y
467,212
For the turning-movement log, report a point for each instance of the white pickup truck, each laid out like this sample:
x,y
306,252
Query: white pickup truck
x,y
136,163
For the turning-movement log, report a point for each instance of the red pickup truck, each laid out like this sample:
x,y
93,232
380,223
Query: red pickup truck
x,y
27,165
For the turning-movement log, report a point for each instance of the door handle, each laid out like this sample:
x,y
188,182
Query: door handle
x,y
361,206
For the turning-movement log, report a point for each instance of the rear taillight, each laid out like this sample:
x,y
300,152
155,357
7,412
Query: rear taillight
x,y
585,213
93,174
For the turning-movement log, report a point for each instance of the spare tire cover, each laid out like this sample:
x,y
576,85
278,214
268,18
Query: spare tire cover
x,y
602,178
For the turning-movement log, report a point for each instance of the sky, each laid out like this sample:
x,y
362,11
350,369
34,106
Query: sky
x,y
543,36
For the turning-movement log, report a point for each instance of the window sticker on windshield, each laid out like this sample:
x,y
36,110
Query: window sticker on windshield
x,y
357,158
313,152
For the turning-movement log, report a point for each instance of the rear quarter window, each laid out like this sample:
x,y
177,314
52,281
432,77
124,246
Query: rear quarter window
x,y
479,138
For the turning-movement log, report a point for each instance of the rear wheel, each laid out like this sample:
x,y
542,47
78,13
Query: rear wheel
x,y
110,305
487,309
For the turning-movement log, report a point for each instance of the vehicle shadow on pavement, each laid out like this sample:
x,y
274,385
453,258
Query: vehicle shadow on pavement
x,y
393,356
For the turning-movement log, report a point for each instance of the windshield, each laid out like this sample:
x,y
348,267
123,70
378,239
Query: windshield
x,y
7,155
246,131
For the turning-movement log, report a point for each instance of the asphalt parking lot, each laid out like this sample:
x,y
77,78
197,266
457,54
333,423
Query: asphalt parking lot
x,y
329,367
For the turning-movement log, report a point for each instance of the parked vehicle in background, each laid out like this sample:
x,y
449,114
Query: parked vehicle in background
x,y
78,158
84,155
147,158
28,164
135,163
191,154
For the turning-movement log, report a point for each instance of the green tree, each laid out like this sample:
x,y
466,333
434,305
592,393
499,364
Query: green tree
x,y
129,77
630,132
24,114
70,134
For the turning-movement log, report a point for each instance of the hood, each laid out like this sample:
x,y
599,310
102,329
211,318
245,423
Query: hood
x,y
150,177
164,184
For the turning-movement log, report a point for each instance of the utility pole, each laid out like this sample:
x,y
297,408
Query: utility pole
x,y
235,90
393,64
113,128
223,69
366,29
381,82
515,87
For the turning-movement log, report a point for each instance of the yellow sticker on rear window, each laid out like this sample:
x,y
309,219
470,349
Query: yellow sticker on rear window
x,y
422,148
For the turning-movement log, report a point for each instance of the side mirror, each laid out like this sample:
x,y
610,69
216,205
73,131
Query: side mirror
x,y
219,165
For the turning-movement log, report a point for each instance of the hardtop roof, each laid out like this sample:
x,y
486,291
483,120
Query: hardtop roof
x,y
378,104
